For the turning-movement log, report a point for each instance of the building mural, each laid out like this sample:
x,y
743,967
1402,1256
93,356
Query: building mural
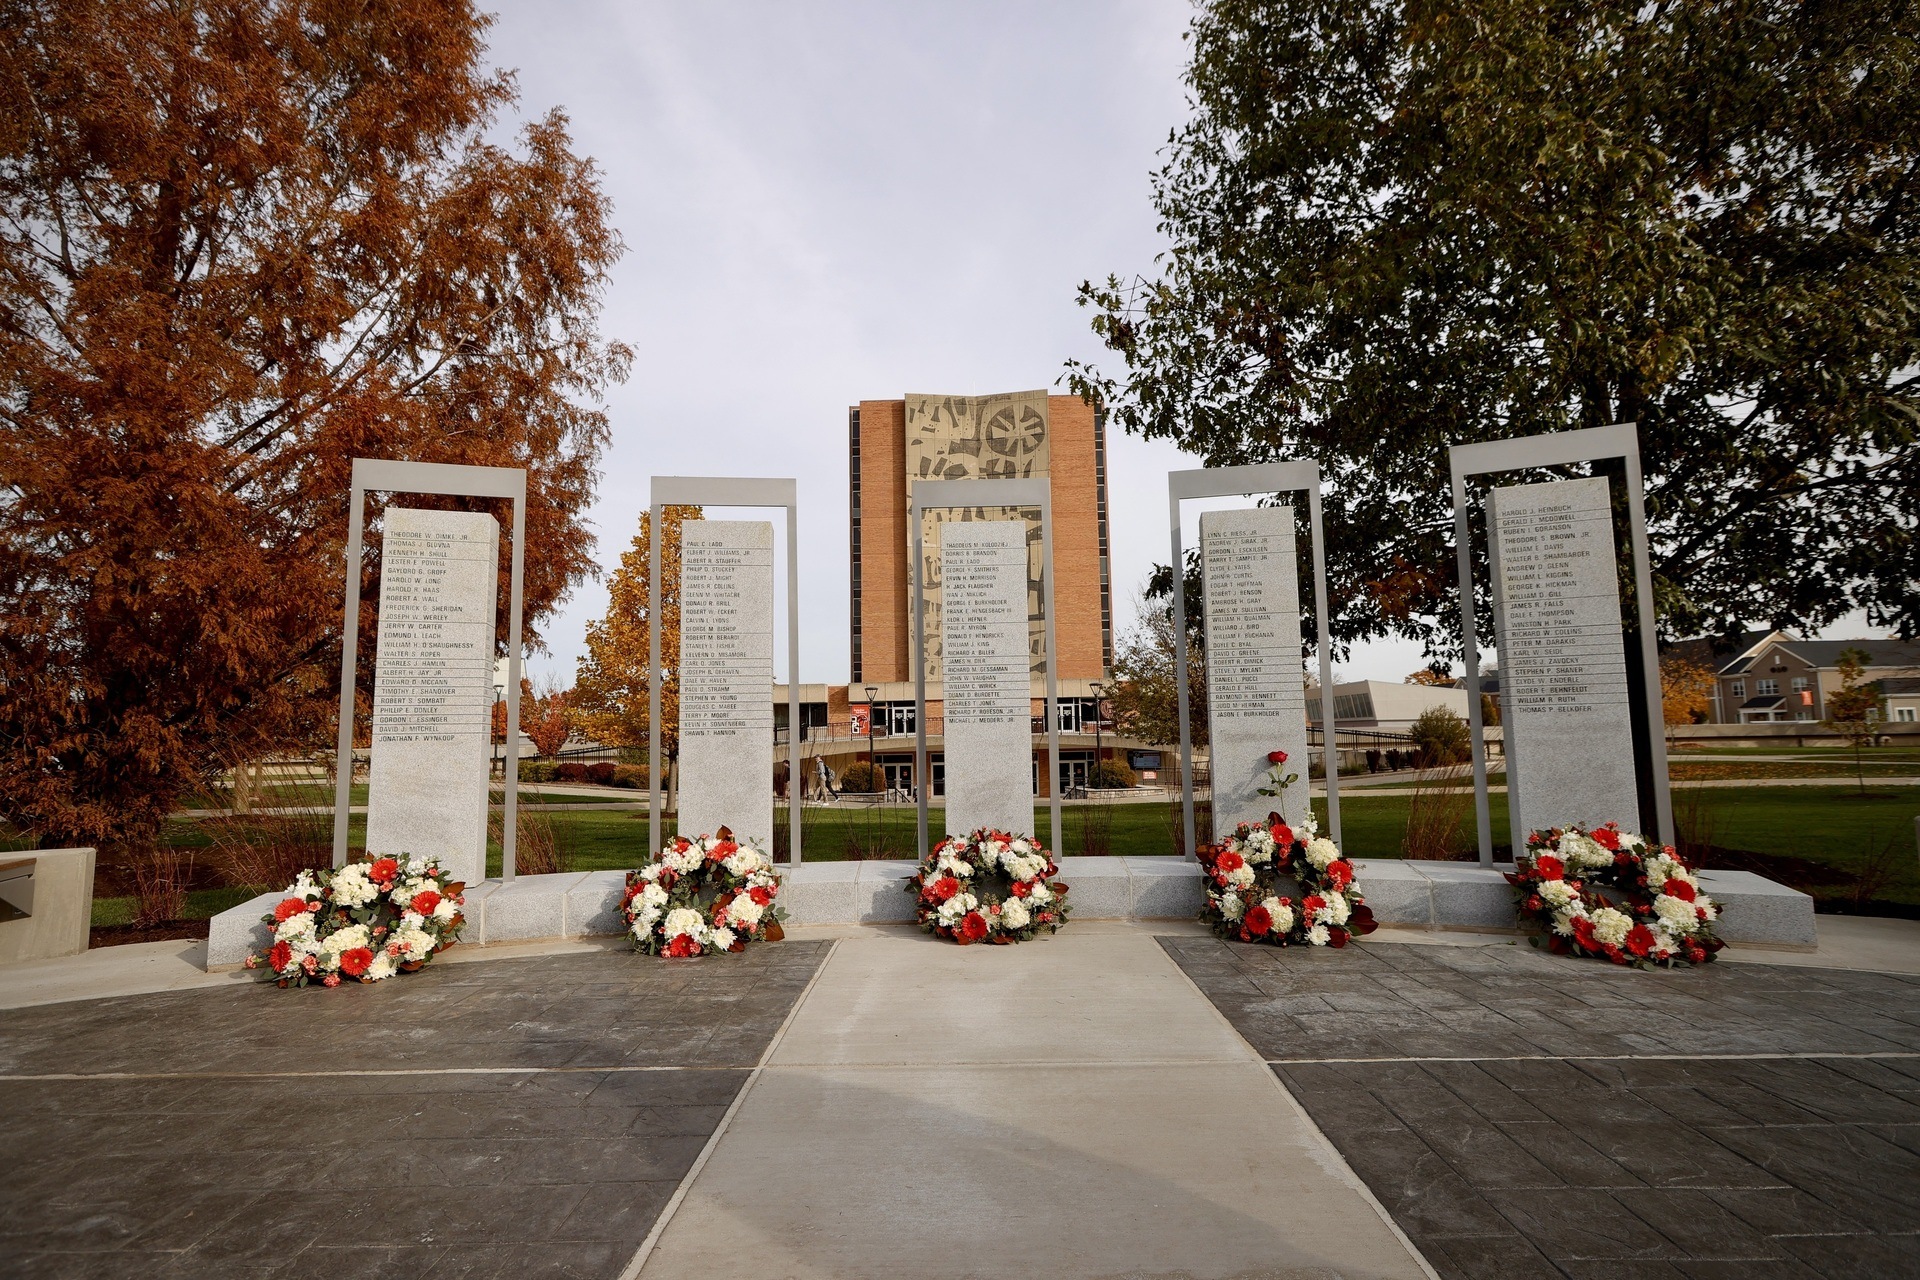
x,y
997,437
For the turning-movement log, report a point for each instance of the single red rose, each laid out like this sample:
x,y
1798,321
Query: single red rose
x,y
1276,757
384,869
1282,836
1340,871
1231,861
280,957
945,887
1361,922
424,902
288,909
354,962
1678,888
973,926
1639,940
1606,837
760,894
1549,867
1021,888
1259,920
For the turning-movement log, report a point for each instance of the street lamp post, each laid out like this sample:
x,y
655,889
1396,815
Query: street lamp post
x,y
872,766
1097,688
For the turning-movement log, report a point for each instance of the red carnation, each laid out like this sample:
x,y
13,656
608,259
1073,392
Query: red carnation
x,y
288,909
1340,871
280,957
1282,836
1230,861
973,927
945,887
1639,939
384,869
1678,888
1276,757
354,962
1259,920
424,902
760,894
1606,837
1549,867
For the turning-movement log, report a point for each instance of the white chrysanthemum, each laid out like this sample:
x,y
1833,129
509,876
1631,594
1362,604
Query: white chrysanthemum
x,y
722,938
415,943
747,862
296,926
1231,906
1610,925
1282,915
354,935
1557,892
653,895
1563,922
1022,845
1014,914
1676,914
745,911
1041,895
352,888
446,909
685,920
1240,877
958,905
643,922
1322,852
383,966
1318,935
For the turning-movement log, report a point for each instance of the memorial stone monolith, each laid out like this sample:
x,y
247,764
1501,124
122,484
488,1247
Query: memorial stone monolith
x,y
983,602
1256,694
1566,723
433,688
726,678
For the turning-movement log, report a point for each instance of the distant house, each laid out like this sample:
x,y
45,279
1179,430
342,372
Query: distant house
x,y
1781,677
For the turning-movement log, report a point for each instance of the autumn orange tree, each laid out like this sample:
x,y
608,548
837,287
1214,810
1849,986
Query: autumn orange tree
x,y
241,245
546,716
610,691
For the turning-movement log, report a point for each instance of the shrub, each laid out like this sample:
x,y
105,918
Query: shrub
x,y
1441,737
571,771
600,773
1111,773
537,771
861,776
631,776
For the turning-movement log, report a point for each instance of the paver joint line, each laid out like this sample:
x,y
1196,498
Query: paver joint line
x,y
617,1068
1605,1057
640,1256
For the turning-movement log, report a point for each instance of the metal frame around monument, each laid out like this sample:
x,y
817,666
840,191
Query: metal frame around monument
x,y
723,491
454,481
1559,449
1235,482
924,496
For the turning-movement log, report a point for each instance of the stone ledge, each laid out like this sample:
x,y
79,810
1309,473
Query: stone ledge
x,y
1430,895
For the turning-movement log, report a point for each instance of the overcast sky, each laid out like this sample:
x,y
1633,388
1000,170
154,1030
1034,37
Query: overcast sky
x,y
829,202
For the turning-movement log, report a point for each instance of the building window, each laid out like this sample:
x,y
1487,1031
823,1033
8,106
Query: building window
x,y
1904,715
1766,687
1739,688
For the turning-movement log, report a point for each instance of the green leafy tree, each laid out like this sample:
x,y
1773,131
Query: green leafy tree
x,y
1854,710
1399,226
1145,693
1441,737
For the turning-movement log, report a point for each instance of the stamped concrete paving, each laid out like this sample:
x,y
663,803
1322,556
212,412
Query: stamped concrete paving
x,y
1525,1115
512,1118
1068,1107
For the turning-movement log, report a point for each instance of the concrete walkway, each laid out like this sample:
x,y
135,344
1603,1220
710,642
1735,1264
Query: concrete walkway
x,y
1069,1107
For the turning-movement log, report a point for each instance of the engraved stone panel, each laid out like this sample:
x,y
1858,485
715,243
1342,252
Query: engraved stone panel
x,y
989,769
996,437
1563,673
1256,696
433,688
726,678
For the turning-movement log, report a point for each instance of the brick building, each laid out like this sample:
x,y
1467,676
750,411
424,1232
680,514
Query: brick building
x,y
1780,677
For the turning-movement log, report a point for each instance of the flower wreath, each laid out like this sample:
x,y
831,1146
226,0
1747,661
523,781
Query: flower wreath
x,y
1245,875
715,893
365,921
988,887
1606,892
